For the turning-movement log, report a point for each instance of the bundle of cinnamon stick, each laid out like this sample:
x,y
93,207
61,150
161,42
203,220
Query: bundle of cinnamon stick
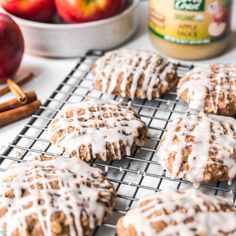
x,y
22,106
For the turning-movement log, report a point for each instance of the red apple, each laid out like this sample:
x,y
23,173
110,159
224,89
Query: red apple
x,y
220,17
35,10
79,11
11,47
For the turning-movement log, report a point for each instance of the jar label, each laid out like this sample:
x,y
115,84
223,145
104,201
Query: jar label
x,y
190,21
197,5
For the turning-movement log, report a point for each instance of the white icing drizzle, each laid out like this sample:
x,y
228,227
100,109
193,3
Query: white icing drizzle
x,y
135,64
201,146
80,186
194,202
108,122
205,80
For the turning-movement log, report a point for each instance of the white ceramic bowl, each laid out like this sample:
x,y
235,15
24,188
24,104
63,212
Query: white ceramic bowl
x,y
72,40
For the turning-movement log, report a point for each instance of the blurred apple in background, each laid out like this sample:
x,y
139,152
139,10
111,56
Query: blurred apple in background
x,y
78,11
35,10
11,47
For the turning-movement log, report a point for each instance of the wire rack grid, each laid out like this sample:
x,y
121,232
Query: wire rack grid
x,y
133,177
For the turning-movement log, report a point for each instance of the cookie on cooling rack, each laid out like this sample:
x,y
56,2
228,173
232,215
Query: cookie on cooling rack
x,y
210,88
134,74
187,212
48,196
200,148
98,130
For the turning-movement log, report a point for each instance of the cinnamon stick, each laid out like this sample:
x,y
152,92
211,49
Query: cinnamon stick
x,y
17,91
14,103
10,116
20,82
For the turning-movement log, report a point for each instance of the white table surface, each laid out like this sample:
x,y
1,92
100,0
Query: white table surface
x,y
50,72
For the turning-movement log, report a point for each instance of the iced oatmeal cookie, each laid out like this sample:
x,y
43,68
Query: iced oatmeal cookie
x,y
52,196
98,130
210,88
134,74
186,212
200,148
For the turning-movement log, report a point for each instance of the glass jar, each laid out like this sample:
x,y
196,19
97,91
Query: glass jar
x,y
190,29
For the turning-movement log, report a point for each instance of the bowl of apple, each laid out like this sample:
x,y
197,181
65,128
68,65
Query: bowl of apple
x,y
65,28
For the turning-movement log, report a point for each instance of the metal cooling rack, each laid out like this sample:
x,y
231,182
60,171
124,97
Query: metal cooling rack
x,y
133,177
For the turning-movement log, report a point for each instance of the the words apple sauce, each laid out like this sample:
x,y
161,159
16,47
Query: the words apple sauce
x,y
193,29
